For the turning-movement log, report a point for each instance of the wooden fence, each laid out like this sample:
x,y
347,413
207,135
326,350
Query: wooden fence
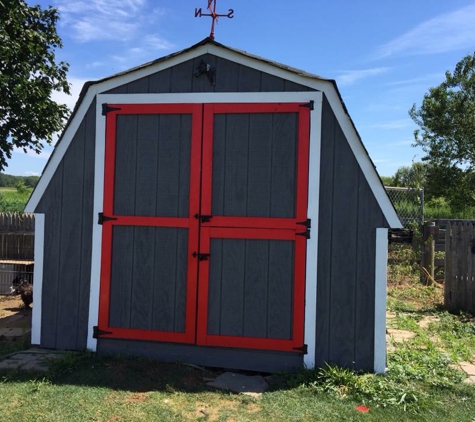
x,y
17,236
437,233
17,239
460,267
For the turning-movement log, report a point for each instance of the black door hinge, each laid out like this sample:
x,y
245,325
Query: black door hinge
x,y
203,218
102,218
309,105
307,223
303,349
96,332
306,233
106,108
201,256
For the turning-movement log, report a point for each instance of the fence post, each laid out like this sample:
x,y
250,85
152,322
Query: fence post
x,y
429,250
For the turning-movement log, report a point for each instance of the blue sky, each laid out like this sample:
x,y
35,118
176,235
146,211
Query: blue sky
x,y
384,55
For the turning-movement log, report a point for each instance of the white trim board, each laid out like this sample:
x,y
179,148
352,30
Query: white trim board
x,y
363,159
312,243
381,261
211,97
96,250
60,151
38,279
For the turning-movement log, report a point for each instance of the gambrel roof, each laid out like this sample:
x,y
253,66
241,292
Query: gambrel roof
x,y
209,46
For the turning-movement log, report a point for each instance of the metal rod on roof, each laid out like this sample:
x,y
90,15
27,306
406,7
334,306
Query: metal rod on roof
x,y
213,14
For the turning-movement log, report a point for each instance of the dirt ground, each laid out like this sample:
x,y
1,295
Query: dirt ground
x,y
12,312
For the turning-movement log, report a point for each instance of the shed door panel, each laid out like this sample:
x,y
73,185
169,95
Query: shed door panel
x,y
254,165
254,197
251,288
148,281
148,278
152,165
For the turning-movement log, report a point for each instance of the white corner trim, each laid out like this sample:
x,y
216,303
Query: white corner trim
x,y
96,228
381,261
38,279
312,243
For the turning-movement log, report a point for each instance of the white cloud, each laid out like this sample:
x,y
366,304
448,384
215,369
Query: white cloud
x,y
147,51
394,124
119,20
448,32
351,76
95,64
425,79
43,154
76,85
32,173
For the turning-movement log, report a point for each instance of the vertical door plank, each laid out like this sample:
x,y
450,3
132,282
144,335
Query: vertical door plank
x,y
121,276
284,165
125,165
147,162
142,278
260,166
280,294
256,288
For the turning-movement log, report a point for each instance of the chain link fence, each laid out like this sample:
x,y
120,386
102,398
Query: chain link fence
x,y
404,252
409,204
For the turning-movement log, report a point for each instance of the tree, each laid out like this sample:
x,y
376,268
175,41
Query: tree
x,y
446,133
29,74
413,176
387,180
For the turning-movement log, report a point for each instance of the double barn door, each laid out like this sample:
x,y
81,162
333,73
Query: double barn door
x,y
205,224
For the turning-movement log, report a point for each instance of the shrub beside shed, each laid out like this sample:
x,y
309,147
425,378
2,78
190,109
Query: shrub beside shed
x,y
230,217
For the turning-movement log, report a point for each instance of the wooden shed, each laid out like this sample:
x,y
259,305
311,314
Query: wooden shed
x,y
216,208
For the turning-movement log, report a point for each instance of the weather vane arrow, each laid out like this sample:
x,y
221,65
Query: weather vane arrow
x,y
213,14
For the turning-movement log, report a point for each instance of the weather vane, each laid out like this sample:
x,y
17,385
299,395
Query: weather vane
x,y
213,14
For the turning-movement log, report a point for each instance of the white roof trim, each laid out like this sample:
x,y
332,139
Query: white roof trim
x,y
363,159
321,85
59,151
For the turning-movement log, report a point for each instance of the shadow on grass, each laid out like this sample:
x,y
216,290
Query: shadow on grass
x,y
119,373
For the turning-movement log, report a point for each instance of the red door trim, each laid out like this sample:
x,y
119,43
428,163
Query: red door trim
x,y
217,227
255,228
191,223
205,339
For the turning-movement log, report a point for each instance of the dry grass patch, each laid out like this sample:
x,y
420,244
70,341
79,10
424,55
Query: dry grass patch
x,y
137,397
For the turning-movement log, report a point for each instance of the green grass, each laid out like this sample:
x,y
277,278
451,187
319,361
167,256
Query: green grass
x,y
84,387
12,200
7,347
423,381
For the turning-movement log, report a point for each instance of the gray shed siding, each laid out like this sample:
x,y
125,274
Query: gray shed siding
x,y
251,360
230,77
68,206
349,216
255,165
250,288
